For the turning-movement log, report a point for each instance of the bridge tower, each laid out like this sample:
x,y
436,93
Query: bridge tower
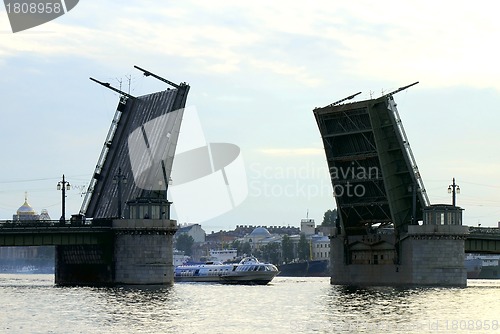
x,y
129,187
380,199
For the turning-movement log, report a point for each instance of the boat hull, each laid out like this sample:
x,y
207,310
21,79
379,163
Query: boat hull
x,y
258,278
246,272
197,279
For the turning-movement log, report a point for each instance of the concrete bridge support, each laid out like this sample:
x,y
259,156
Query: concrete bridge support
x,y
431,254
435,255
84,264
143,251
139,251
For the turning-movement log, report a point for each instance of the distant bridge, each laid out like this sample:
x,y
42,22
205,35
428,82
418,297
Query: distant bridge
x,y
483,240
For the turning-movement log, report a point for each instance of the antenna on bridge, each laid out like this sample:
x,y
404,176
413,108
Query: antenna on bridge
x,y
147,74
108,85
401,88
344,99
129,78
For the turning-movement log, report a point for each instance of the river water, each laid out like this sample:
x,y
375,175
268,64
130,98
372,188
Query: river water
x,y
33,304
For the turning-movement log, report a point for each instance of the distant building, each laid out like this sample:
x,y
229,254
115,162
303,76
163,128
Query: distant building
x,y
223,255
320,247
242,230
257,235
44,215
26,212
260,237
307,226
15,258
325,230
222,237
193,230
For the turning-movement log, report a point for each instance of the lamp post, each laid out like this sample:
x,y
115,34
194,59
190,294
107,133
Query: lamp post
x,y
454,189
63,185
118,179
166,213
413,189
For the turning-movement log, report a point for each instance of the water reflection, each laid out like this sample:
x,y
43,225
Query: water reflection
x,y
390,309
298,305
136,307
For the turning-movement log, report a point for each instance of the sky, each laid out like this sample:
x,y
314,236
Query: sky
x,y
256,70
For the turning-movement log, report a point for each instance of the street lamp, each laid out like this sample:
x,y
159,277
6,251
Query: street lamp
x,y
63,185
118,179
454,189
413,189
169,183
165,213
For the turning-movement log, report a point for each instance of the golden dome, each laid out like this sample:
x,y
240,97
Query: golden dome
x,y
26,209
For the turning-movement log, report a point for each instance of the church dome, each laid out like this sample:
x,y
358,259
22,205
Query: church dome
x,y
26,209
44,215
260,232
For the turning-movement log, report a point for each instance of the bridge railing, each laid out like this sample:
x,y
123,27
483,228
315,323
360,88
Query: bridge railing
x,y
42,224
484,230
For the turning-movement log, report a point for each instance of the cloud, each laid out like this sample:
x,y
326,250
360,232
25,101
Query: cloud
x,y
253,65
435,43
299,73
439,44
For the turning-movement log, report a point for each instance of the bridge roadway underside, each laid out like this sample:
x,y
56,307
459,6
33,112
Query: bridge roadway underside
x,y
366,153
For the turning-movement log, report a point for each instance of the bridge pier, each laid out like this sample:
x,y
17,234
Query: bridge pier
x,y
431,254
435,255
144,251
139,251
84,264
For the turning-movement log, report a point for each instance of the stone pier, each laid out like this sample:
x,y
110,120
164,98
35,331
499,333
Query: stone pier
x,y
136,251
435,255
85,264
143,251
431,254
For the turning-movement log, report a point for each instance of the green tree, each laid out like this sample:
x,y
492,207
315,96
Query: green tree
x,y
303,248
329,218
272,253
246,248
242,248
236,244
185,243
258,253
286,249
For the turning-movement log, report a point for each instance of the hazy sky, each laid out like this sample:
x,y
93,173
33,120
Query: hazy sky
x,y
256,69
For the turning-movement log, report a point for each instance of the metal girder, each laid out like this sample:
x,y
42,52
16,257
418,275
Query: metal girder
x,y
148,73
364,135
108,85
